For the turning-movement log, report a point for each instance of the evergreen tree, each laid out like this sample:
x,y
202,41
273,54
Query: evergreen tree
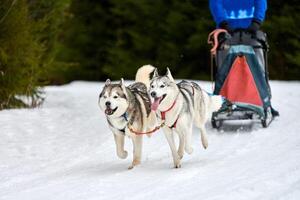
x,y
87,37
283,27
112,38
19,56
27,35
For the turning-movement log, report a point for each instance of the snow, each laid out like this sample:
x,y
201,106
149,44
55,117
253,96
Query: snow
x,y
64,150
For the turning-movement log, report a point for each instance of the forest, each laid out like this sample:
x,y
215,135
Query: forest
x,y
48,42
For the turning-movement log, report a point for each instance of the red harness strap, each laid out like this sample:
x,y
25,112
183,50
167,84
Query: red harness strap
x,y
163,114
174,125
144,133
163,117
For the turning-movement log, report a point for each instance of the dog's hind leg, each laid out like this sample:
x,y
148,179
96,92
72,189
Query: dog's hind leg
x,y
119,140
200,123
188,140
170,137
137,151
203,136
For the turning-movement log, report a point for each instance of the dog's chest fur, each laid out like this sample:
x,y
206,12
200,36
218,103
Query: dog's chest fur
x,y
117,123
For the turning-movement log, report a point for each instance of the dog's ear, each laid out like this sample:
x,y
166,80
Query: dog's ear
x,y
155,73
169,75
123,87
122,83
107,82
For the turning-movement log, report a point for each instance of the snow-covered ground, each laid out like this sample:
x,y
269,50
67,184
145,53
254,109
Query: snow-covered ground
x,y
65,150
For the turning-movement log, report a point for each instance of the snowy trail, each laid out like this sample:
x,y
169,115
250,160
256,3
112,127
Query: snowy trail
x,y
65,150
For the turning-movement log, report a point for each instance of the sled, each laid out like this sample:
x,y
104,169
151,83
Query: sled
x,y
240,62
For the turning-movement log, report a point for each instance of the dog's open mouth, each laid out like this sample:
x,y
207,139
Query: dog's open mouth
x,y
157,101
110,111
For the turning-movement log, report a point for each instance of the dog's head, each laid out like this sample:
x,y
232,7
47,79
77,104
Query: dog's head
x,y
113,99
163,91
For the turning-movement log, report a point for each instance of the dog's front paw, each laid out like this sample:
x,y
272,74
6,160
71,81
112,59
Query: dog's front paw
x,y
131,167
122,154
134,163
204,141
205,145
177,164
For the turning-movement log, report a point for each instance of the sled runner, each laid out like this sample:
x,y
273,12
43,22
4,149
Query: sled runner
x,y
240,62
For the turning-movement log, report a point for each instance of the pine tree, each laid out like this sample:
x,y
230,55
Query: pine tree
x,y
112,38
283,32
27,35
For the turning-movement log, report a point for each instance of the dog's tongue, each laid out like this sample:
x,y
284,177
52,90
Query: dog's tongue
x,y
155,104
108,111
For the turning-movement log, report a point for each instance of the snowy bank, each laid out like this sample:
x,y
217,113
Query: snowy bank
x,y
64,150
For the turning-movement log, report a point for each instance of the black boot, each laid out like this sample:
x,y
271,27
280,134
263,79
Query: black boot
x,y
274,112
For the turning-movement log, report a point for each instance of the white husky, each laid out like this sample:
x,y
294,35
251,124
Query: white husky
x,y
128,112
179,106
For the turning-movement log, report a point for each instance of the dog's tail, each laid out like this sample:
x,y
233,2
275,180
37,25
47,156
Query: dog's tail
x,y
216,102
143,74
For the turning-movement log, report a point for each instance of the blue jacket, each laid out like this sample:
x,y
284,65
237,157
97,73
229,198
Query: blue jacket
x,y
238,13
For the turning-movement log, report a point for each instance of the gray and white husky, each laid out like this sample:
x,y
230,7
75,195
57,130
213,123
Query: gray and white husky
x,y
179,106
128,112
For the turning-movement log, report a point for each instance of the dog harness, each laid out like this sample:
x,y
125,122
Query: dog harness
x,y
163,114
125,116
163,117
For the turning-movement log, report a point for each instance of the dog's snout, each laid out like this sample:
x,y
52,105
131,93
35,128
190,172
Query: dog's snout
x,y
153,94
107,103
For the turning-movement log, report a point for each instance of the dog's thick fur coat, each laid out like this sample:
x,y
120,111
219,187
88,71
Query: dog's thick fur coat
x,y
129,107
183,105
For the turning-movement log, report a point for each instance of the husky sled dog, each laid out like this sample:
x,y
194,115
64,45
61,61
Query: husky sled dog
x,y
128,112
179,106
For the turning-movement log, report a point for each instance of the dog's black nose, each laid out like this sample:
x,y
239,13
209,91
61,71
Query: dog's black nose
x,y
107,103
153,94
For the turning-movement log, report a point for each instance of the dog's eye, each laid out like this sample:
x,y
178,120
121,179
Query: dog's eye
x,y
152,86
162,86
115,97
